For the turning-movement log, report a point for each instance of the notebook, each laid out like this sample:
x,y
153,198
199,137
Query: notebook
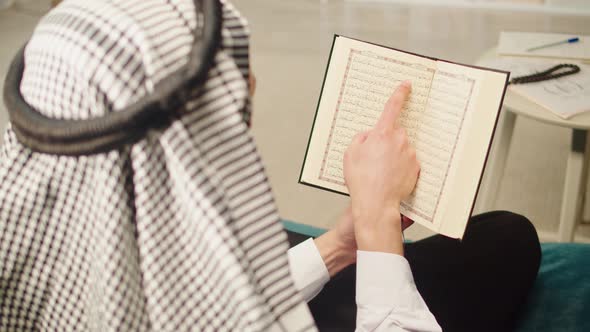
x,y
517,43
450,119
565,97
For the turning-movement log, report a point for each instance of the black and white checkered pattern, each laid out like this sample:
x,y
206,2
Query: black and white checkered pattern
x,y
178,232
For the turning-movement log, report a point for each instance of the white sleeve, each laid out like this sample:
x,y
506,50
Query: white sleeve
x,y
307,269
386,295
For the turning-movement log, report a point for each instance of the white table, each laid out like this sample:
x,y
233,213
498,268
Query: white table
x,y
577,161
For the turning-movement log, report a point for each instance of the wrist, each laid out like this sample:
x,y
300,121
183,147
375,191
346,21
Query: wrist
x,y
375,211
382,233
335,254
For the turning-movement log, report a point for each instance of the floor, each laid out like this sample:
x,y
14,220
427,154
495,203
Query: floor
x,y
290,45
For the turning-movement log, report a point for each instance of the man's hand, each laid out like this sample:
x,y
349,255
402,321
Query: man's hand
x,y
338,246
381,170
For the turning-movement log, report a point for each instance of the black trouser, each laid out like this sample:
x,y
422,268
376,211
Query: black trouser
x,y
477,284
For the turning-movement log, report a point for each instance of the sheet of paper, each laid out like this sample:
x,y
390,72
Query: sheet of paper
x,y
517,43
565,97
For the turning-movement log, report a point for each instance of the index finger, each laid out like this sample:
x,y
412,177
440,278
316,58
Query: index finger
x,y
393,107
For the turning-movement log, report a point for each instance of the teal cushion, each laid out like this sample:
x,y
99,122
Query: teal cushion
x,y
303,229
560,299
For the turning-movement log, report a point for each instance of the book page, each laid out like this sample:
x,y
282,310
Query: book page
x,y
369,81
438,116
432,117
473,144
437,133
370,74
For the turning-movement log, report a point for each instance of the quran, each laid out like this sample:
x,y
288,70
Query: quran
x,y
450,117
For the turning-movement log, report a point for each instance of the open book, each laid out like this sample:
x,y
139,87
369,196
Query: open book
x,y
450,119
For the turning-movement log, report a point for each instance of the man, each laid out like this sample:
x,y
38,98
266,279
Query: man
x,y
132,197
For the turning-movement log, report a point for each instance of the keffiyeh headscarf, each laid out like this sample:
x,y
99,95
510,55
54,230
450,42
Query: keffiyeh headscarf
x,y
172,229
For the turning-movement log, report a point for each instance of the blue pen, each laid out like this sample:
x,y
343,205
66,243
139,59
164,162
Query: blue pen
x,y
567,41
